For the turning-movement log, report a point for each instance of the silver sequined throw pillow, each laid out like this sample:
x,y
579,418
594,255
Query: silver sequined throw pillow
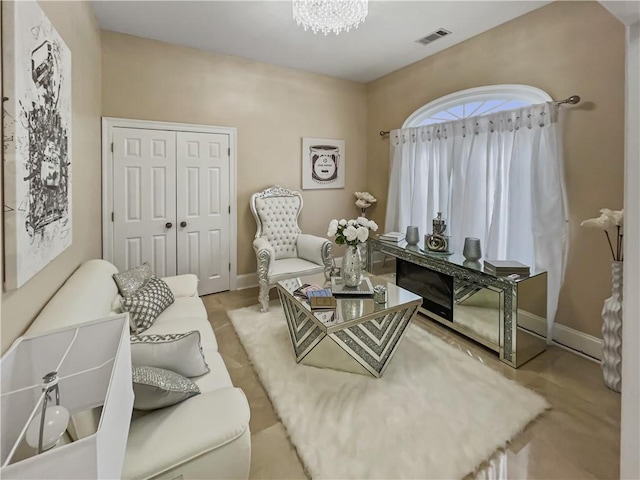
x,y
147,303
131,280
157,388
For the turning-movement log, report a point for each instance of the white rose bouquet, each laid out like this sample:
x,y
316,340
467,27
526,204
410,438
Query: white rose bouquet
x,y
351,232
364,201
607,220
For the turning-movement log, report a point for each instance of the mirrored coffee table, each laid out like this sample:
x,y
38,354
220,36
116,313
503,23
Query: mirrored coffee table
x,y
359,336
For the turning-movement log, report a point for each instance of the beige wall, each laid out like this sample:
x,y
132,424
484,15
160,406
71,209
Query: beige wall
x,y
564,48
76,24
272,108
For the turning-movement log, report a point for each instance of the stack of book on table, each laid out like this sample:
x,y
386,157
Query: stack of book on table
x,y
319,298
506,267
392,237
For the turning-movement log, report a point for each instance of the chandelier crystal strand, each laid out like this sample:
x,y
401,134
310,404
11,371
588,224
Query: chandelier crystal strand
x,y
330,15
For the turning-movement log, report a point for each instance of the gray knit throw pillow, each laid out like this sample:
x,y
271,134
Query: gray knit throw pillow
x,y
147,303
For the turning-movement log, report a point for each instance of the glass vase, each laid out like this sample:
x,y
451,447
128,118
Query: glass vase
x,y
352,267
612,332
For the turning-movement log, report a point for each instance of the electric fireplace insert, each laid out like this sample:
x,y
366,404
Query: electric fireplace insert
x,y
435,288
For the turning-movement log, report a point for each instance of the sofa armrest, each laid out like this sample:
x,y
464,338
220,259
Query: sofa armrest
x,y
314,249
183,285
265,254
202,423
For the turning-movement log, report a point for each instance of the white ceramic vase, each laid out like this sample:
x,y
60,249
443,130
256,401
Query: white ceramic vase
x,y
612,331
352,267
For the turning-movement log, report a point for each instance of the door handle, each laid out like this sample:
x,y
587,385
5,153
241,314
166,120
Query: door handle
x,y
168,224
183,224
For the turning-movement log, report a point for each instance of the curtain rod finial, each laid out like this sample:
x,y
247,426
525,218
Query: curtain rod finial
x,y
572,100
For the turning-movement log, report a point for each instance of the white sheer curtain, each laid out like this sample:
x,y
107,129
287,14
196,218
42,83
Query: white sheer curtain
x,y
497,177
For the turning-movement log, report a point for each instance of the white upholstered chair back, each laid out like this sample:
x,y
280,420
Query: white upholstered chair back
x,y
276,211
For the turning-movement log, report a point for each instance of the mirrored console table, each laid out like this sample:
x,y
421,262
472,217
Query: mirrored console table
x,y
502,313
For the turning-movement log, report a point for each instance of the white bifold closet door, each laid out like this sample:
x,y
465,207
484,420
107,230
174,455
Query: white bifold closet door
x,y
144,187
203,208
171,204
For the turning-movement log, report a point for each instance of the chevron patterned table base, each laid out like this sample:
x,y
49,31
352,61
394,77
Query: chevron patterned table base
x,y
364,346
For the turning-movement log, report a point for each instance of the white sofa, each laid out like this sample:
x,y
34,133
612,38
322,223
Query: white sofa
x,y
206,436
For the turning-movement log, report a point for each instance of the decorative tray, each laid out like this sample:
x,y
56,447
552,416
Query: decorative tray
x,y
436,254
339,288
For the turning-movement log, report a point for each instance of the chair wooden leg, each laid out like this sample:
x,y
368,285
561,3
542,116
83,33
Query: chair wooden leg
x,y
263,296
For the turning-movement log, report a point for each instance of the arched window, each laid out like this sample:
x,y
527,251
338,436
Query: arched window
x,y
476,101
502,184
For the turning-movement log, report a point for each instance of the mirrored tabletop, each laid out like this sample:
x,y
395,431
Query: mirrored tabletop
x,y
350,309
455,258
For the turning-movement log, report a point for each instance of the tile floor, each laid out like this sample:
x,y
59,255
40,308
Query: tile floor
x,y
577,439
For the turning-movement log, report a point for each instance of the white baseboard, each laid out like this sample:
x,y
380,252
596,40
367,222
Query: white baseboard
x,y
564,336
578,341
246,280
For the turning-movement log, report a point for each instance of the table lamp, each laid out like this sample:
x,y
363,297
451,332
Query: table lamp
x,y
48,378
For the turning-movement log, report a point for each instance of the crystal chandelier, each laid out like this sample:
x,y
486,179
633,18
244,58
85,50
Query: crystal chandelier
x,y
329,15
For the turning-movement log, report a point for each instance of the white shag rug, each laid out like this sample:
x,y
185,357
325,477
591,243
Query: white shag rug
x,y
436,412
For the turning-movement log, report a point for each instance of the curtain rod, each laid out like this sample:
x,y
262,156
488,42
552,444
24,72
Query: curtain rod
x,y
572,100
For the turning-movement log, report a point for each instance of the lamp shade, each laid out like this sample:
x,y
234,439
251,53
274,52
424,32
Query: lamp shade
x,y
93,365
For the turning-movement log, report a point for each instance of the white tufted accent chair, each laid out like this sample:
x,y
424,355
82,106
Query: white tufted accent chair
x,y
282,250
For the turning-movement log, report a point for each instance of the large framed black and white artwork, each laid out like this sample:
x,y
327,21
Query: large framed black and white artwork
x,y
37,141
323,162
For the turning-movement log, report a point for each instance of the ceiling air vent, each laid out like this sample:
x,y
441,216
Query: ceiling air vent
x,y
432,37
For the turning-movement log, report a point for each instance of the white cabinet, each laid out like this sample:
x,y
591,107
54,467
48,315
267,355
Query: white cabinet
x,y
168,202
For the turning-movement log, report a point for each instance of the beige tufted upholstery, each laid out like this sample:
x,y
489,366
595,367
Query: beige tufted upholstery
x,y
282,250
279,218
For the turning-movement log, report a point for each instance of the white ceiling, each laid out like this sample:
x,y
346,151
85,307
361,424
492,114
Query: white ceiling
x,y
628,12
265,31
